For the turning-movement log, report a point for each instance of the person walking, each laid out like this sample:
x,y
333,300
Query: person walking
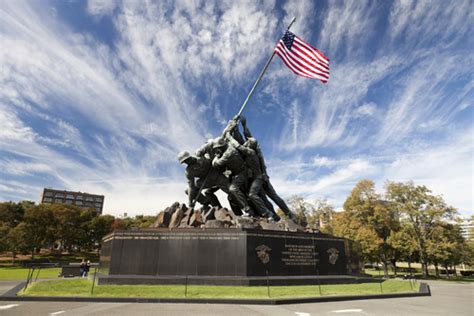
x,y
87,268
82,268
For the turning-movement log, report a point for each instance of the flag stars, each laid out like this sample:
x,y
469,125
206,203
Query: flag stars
x,y
288,39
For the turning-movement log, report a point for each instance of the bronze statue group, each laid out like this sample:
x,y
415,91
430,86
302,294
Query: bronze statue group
x,y
234,164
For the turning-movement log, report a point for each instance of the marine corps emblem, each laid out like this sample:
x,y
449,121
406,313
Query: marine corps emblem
x,y
333,255
263,253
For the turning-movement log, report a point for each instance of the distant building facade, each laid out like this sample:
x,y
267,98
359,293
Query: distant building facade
x,y
467,226
79,199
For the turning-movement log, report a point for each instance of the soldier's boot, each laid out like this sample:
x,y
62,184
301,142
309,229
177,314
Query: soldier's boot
x,y
247,212
212,198
259,205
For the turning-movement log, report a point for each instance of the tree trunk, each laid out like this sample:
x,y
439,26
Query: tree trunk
x,y
447,270
385,268
436,270
424,263
424,268
13,256
409,267
33,254
394,262
455,272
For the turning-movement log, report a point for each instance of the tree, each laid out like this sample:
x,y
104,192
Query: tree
x,y
301,209
404,245
446,246
139,221
320,216
118,224
422,211
18,240
87,236
11,213
101,226
68,229
39,227
369,220
4,230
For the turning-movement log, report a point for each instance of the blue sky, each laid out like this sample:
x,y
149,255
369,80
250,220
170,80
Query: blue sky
x,y
100,96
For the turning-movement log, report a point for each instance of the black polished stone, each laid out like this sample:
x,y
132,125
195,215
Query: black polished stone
x,y
226,253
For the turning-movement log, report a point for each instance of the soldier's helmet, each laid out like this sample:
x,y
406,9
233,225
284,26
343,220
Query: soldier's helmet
x,y
219,142
183,156
252,143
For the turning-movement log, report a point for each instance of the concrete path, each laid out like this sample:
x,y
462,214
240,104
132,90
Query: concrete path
x,y
447,299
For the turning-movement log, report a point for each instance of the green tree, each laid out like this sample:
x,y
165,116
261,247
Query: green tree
x,y
68,229
422,211
445,246
39,227
19,240
404,245
11,213
101,226
87,237
4,230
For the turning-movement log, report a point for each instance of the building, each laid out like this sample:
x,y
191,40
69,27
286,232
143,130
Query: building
x,y
80,199
467,227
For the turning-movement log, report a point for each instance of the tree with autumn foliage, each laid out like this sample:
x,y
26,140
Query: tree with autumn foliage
x,y
422,212
403,245
370,221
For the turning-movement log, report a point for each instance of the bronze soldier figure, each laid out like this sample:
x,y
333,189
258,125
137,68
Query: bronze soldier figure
x,y
227,157
200,173
247,150
267,186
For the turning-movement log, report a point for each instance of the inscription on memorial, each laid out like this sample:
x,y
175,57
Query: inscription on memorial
x,y
299,255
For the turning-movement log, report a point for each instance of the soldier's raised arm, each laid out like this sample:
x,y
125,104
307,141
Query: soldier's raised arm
x,y
247,132
206,148
243,149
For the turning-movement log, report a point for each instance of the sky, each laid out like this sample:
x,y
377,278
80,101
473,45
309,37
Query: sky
x,y
100,96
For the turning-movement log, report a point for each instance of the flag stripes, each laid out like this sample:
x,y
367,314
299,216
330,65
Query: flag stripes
x,y
303,59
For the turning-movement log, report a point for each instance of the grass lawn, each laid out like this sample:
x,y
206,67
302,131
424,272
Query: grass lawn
x,y
20,273
82,287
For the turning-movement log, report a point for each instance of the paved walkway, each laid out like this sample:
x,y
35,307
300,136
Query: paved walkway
x,y
447,299
5,286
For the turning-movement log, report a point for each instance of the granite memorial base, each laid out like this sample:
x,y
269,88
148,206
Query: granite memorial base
x,y
227,257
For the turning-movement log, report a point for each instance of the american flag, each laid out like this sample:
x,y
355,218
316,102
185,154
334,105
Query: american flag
x,y
301,58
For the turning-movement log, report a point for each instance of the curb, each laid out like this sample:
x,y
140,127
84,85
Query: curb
x,y
11,296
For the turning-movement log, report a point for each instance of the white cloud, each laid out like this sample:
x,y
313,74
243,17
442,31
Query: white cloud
x,y
366,110
323,161
101,7
110,118
12,129
347,27
420,23
422,95
446,167
137,99
23,168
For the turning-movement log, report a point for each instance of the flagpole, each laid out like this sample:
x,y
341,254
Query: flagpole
x,y
245,103
261,75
